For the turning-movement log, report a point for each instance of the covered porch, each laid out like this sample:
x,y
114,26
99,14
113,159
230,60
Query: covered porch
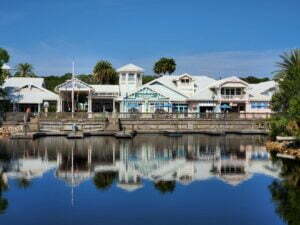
x,y
77,96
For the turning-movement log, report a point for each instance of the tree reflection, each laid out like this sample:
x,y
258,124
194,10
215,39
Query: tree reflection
x,y
24,183
3,201
286,192
104,180
165,186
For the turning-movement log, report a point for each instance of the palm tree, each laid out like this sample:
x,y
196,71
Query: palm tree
x,y
290,60
4,58
164,65
104,73
24,70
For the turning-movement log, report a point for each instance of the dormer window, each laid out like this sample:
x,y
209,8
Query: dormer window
x,y
185,81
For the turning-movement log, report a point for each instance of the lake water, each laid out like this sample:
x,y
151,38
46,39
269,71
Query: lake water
x,y
152,179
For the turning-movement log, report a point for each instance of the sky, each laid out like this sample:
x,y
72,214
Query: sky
x,y
206,37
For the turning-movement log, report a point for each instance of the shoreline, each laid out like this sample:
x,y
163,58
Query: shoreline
x,y
282,150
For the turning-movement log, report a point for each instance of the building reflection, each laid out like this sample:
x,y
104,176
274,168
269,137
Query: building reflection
x,y
126,164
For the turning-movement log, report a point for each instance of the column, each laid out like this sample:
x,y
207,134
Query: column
x,y
39,107
89,103
114,106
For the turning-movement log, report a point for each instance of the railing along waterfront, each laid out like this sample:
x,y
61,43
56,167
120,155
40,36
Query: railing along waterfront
x,y
19,116
72,116
196,116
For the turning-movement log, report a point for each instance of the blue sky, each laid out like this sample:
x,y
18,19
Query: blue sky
x,y
214,37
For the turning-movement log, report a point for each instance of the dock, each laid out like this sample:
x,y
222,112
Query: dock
x,y
75,135
172,134
26,136
285,156
124,134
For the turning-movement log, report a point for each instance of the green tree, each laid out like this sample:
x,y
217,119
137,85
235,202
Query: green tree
x,y
254,80
289,60
4,58
286,101
104,73
147,79
164,65
24,70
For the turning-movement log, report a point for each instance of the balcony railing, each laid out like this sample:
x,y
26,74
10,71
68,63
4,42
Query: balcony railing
x,y
233,96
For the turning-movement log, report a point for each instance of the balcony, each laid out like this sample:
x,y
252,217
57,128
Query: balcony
x,y
233,97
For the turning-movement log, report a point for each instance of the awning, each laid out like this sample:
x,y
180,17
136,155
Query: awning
x,y
225,106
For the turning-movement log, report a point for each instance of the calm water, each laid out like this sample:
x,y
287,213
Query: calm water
x,y
156,180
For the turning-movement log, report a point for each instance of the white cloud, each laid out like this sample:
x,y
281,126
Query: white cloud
x,y
238,63
49,59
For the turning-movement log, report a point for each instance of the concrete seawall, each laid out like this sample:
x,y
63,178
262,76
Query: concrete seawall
x,y
195,126
150,124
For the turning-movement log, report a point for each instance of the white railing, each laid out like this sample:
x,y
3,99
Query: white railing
x,y
233,97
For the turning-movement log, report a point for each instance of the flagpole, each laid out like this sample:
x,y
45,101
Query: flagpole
x,y
73,77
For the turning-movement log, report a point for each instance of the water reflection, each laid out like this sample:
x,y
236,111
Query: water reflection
x,y
126,163
286,192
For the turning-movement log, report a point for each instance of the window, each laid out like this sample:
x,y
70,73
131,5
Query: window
x,y
123,76
222,91
131,77
185,81
227,91
232,91
238,91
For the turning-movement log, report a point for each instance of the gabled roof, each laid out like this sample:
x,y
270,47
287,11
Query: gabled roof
x,y
5,67
106,88
17,82
254,96
184,75
203,94
78,84
130,68
263,86
36,96
168,81
226,80
149,88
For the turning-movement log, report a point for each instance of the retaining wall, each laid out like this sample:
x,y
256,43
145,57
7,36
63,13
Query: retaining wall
x,y
149,126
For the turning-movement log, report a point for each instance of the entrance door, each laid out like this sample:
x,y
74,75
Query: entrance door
x,y
102,105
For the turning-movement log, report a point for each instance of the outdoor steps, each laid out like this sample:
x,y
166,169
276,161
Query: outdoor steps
x,y
113,124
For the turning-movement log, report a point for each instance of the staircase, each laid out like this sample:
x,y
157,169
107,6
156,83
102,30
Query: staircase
x,y
113,124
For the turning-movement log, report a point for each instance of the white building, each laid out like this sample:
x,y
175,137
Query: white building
x,y
27,92
169,93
